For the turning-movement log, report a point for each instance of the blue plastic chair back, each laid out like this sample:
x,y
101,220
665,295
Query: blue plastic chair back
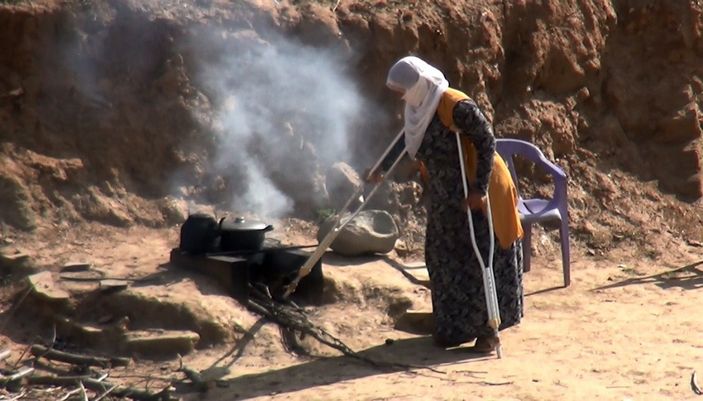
x,y
538,210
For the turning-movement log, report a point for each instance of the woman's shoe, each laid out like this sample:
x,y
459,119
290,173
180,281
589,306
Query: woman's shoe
x,y
486,345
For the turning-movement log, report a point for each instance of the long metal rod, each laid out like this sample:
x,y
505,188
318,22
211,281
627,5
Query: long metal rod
x,y
341,220
385,153
489,283
262,250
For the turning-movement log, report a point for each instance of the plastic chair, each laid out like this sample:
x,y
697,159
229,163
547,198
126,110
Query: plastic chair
x,y
538,210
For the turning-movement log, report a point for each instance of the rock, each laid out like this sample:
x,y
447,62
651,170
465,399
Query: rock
x,y
160,342
175,211
82,333
180,305
72,267
16,199
43,285
94,205
318,25
15,263
371,231
81,276
111,285
341,181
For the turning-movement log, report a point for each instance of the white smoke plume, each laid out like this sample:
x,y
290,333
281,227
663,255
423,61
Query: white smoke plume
x,y
282,109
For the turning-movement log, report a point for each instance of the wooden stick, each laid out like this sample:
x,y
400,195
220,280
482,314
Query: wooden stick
x,y
106,393
18,396
77,359
195,377
4,354
48,367
84,395
81,388
16,376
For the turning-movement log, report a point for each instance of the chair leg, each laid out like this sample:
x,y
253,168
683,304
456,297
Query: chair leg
x,y
565,254
526,247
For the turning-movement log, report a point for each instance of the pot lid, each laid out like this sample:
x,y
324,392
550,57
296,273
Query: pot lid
x,y
240,223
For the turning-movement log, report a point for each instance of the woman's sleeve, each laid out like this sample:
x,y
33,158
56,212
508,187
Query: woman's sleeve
x,y
471,122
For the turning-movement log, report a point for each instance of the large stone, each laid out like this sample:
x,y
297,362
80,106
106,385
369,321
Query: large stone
x,y
371,231
45,287
75,267
160,342
174,211
85,334
15,263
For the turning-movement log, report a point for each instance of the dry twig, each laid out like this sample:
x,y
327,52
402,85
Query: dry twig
x,y
106,393
96,385
694,385
81,387
15,398
16,376
17,362
69,394
296,319
77,359
493,383
195,377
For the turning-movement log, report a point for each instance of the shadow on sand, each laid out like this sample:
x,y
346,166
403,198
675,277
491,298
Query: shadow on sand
x,y
418,352
688,277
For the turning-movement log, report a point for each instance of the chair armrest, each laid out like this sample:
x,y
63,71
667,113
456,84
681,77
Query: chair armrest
x,y
560,184
552,168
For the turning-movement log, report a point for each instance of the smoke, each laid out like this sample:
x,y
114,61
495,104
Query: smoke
x,y
283,113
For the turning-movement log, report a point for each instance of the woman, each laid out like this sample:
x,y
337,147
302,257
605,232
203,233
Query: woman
x,y
433,112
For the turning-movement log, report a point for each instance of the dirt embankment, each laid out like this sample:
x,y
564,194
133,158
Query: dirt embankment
x,y
102,116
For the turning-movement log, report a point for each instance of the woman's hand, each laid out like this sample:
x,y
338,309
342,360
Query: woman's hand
x,y
475,201
372,178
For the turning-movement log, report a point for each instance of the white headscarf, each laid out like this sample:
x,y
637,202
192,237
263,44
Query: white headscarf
x,y
423,86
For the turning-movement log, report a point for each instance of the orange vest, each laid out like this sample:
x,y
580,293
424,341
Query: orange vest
x,y
501,189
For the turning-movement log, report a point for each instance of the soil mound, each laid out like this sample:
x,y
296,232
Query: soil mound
x,y
105,115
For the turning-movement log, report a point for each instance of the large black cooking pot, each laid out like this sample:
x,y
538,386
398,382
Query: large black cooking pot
x,y
240,234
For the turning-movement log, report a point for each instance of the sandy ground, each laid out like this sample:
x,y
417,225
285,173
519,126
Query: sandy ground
x,y
616,333
627,328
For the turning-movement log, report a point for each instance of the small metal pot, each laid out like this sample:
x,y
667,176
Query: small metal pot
x,y
198,234
242,235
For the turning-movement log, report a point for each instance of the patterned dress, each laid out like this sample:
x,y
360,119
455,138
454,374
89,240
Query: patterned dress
x,y
458,299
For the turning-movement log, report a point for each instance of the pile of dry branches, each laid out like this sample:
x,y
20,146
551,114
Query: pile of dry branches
x,y
53,374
